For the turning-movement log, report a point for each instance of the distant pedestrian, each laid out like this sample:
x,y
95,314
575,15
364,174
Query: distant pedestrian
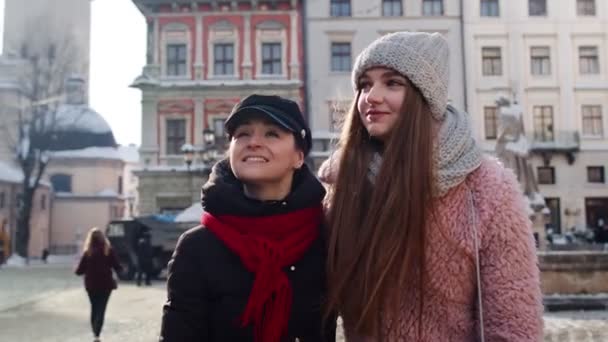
x,y
144,259
45,255
96,264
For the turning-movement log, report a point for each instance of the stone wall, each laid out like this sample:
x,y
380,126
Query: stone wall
x,y
574,272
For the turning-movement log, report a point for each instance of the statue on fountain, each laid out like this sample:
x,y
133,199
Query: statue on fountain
x,y
513,150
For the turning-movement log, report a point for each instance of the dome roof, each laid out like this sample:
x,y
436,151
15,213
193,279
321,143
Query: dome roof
x,y
77,126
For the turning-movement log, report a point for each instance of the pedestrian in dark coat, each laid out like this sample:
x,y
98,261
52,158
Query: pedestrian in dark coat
x,y
144,259
96,264
255,269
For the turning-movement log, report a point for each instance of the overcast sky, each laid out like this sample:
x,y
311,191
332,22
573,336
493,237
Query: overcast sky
x,y
118,43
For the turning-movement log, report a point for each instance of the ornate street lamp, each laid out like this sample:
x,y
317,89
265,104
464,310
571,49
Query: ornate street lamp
x,y
188,152
208,138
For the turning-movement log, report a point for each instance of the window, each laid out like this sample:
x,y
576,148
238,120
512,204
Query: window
x,y
491,122
588,62
491,61
340,8
120,185
540,60
432,7
392,8
223,59
595,174
271,59
176,59
176,135
340,57
555,219
546,175
2,200
61,182
585,7
537,8
592,121
543,123
43,202
489,8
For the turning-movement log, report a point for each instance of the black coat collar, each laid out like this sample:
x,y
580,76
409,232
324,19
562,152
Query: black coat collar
x,y
223,194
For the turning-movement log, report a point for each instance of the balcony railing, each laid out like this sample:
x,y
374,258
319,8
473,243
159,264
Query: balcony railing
x,y
561,142
554,141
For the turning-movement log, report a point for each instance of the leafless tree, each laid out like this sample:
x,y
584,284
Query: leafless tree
x,y
45,61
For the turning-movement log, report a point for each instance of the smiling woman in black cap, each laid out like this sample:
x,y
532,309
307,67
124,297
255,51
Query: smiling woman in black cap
x,y
254,270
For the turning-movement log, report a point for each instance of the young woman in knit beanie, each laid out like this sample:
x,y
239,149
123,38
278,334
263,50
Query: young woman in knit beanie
x,y
429,240
255,270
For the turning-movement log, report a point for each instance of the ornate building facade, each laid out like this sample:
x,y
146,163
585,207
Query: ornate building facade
x,y
202,58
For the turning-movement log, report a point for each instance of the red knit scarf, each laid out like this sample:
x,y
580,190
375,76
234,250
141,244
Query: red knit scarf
x,y
266,245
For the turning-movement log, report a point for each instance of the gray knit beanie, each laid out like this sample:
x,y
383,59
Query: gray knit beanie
x,y
422,57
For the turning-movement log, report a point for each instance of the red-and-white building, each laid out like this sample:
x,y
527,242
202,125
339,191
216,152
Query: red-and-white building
x,y
202,58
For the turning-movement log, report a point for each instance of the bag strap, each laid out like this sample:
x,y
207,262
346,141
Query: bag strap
x,y
474,221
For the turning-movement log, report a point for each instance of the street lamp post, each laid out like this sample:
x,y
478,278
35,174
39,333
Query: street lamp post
x,y
208,152
188,152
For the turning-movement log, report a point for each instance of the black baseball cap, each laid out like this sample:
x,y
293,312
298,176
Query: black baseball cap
x,y
281,111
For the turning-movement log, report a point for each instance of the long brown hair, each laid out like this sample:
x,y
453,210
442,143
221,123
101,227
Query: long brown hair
x,y
96,239
377,232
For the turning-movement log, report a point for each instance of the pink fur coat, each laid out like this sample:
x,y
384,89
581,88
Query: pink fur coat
x,y
510,287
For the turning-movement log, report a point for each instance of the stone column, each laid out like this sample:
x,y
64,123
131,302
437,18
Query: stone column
x,y
149,141
294,65
199,46
247,64
150,42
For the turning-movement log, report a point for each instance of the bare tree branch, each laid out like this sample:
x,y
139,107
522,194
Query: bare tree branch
x,y
47,59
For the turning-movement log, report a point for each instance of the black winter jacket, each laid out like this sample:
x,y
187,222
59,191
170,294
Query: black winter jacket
x,y
208,286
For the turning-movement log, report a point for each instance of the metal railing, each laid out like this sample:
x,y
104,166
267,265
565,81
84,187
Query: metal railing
x,y
560,140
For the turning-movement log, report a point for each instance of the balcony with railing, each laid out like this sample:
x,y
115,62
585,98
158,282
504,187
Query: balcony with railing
x,y
549,143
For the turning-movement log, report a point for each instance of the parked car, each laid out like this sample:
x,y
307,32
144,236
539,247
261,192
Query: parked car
x,y
124,234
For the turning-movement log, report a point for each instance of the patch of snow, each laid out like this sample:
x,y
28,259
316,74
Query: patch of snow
x,y
191,214
528,207
80,118
108,193
10,174
537,199
90,153
16,261
24,144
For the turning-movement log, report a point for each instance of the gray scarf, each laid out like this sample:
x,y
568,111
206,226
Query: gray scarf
x,y
456,153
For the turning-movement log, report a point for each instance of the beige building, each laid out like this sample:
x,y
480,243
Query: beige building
x,y
337,30
552,58
10,191
89,191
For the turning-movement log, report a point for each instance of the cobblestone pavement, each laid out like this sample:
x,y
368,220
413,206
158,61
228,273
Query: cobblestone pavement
x,y
48,303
